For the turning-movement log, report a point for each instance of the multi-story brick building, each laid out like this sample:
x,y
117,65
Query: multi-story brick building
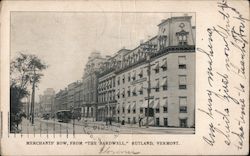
x,y
90,82
61,100
167,91
78,96
106,86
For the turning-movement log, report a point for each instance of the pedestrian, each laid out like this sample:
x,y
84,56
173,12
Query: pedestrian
x,y
106,121
110,121
140,118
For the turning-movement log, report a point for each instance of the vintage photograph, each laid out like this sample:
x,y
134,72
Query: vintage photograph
x,y
104,72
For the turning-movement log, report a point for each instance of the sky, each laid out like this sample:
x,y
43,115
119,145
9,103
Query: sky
x,y
65,40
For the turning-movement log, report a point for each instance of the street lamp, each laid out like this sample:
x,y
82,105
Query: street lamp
x,y
149,49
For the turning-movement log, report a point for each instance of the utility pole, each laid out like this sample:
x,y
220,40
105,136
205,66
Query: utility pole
x,y
148,48
33,98
149,88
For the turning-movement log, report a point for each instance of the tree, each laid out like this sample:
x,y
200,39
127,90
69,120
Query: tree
x,y
25,71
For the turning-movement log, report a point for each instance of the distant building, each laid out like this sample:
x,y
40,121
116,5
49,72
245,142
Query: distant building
x,y
46,101
61,100
78,96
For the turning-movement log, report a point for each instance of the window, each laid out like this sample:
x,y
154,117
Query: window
x,y
182,62
182,35
118,81
128,107
128,120
141,110
134,111
110,96
157,87
183,104
182,82
164,83
182,40
128,111
123,110
123,79
183,109
118,94
165,109
141,73
157,121
134,91
134,76
129,76
134,120
164,104
123,93
157,110
165,122
156,67
113,82
128,91
183,123
141,90
162,39
164,65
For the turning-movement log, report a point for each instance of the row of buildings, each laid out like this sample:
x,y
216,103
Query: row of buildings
x,y
155,81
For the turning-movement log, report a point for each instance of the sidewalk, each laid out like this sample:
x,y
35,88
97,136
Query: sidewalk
x,y
91,122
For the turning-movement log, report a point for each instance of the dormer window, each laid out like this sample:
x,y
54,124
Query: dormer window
x,y
182,35
162,41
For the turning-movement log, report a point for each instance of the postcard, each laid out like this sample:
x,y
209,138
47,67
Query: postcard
x,y
126,77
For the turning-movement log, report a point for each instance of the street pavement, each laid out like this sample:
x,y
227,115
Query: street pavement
x,y
89,126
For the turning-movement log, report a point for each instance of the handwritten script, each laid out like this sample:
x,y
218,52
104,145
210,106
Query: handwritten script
x,y
225,108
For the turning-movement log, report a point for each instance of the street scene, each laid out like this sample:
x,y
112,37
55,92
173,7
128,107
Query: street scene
x,y
84,73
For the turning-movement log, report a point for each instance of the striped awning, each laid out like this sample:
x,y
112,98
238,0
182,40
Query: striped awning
x,y
156,104
134,89
156,84
164,102
118,92
133,105
145,104
118,106
141,72
128,106
164,64
134,75
141,88
123,91
164,82
156,66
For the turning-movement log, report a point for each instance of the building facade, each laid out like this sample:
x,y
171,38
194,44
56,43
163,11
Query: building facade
x,y
46,101
107,86
90,82
165,96
153,84
61,100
